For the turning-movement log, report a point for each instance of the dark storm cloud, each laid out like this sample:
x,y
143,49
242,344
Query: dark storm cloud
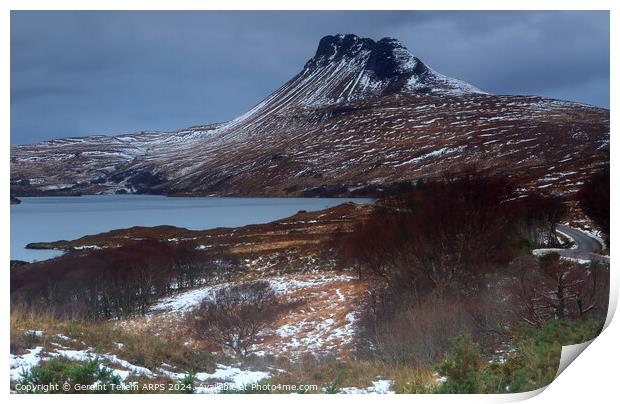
x,y
77,73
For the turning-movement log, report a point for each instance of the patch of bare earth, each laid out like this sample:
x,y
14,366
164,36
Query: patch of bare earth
x,y
325,323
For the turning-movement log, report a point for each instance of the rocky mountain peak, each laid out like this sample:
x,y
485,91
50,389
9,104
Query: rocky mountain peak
x,y
339,46
390,58
348,67
387,57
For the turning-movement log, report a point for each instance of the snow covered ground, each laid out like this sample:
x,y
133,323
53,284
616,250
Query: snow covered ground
x,y
20,364
223,377
325,321
377,387
597,235
282,285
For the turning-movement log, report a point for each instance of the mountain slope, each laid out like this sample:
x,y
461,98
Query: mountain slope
x,y
360,117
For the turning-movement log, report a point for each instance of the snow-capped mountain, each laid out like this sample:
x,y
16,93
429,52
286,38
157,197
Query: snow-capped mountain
x,y
348,68
361,116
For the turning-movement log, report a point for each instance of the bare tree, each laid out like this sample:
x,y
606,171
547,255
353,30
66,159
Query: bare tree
x,y
235,316
552,288
594,199
540,216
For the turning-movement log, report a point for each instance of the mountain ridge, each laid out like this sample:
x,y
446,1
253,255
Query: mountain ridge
x,y
361,116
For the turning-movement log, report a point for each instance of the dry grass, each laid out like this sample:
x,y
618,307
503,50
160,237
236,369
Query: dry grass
x,y
142,348
347,373
145,349
419,380
274,245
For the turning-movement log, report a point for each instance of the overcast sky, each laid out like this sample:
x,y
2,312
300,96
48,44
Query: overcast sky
x,y
81,73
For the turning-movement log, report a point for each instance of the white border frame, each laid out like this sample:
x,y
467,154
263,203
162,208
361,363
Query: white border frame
x,y
591,378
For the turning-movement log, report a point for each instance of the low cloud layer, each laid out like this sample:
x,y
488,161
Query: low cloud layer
x,y
80,73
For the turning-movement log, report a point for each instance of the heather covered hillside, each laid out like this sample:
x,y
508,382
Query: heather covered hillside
x,y
362,117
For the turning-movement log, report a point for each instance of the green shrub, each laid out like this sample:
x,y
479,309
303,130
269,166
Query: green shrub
x,y
462,367
533,363
65,376
331,388
537,357
190,383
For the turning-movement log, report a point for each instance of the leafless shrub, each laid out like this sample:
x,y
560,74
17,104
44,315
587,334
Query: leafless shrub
x,y
418,333
553,288
235,316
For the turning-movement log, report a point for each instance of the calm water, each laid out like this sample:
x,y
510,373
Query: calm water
x,y
68,218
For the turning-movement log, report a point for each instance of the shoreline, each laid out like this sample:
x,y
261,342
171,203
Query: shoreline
x,y
173,233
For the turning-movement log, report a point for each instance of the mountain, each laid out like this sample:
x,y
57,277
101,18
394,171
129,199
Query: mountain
x,y
362,116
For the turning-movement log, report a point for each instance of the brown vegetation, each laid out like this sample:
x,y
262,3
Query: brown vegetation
x,y
594,199
439,261
447,233
119,273
235,316
139,348
550,288
115,283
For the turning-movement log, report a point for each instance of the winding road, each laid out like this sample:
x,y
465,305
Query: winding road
x,y
588,248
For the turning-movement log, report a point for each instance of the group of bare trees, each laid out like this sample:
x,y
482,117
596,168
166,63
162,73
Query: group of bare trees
x,y
443,234
116,282
594,199
537,217
552,288
439,262
121,282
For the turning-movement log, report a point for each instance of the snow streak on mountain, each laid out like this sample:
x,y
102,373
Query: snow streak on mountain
x,y
362,116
